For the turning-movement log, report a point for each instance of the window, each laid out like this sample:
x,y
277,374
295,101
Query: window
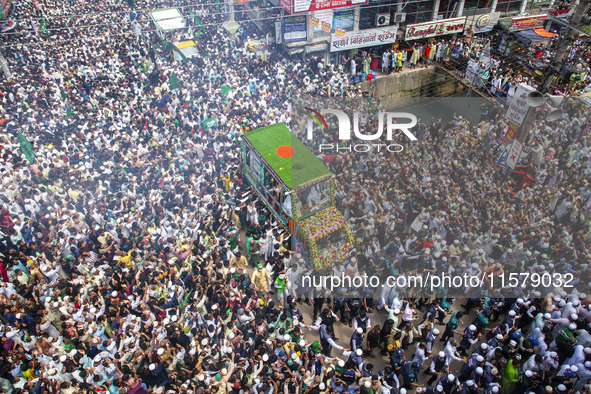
x,y
505,6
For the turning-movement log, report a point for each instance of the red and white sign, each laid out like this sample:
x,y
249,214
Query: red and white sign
x,y
514,153
326,26
297,6
315,21
563,12
527,22
340,31
435,28
324,16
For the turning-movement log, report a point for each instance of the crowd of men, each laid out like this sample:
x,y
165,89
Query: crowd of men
x,y
495,63
135,259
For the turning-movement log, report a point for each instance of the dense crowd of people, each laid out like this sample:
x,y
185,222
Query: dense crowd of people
x,y
495,63
136,259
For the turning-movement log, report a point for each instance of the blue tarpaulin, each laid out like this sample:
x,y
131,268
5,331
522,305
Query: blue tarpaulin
x,y
529,36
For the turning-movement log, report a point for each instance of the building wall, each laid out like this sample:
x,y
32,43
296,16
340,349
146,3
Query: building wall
x,y
405,88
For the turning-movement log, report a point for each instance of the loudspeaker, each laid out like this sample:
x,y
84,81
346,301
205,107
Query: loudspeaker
x,y
535,99
553,115
555,100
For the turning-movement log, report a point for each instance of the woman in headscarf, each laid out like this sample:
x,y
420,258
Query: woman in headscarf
x,y
366,64
414,58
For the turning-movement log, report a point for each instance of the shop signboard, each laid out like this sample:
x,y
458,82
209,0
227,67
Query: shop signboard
x,y
563,12
297,6
316,48
527,22
363,38
435,28
343,18
482,23
295,29
278,35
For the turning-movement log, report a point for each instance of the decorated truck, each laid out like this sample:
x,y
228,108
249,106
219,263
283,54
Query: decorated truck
x,y
299,189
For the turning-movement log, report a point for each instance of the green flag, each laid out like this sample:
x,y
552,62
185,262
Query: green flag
x,y
209,123
226,89
43,25
186,298
26,147
197,22
173,81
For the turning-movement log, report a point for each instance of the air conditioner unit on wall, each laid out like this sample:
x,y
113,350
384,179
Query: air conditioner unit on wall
x,y
399,17
382,19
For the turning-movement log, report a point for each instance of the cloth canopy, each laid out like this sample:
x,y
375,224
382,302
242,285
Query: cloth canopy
x,y
529,36
543,33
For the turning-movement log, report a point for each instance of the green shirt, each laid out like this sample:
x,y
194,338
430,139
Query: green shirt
x,y
233,242
280,285
481,321
453,322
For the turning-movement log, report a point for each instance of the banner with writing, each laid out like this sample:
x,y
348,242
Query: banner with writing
x,y
527,22
295,28
362,38
510,133
518,108
514,153
343,18
319,18
435,28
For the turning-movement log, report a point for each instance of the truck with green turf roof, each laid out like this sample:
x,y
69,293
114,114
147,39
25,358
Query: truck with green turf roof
x,y
298,188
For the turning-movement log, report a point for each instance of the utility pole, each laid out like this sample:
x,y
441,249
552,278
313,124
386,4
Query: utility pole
x,y
525,127
564,44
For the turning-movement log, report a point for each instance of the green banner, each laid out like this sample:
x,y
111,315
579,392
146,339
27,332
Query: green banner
x,y
210,123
